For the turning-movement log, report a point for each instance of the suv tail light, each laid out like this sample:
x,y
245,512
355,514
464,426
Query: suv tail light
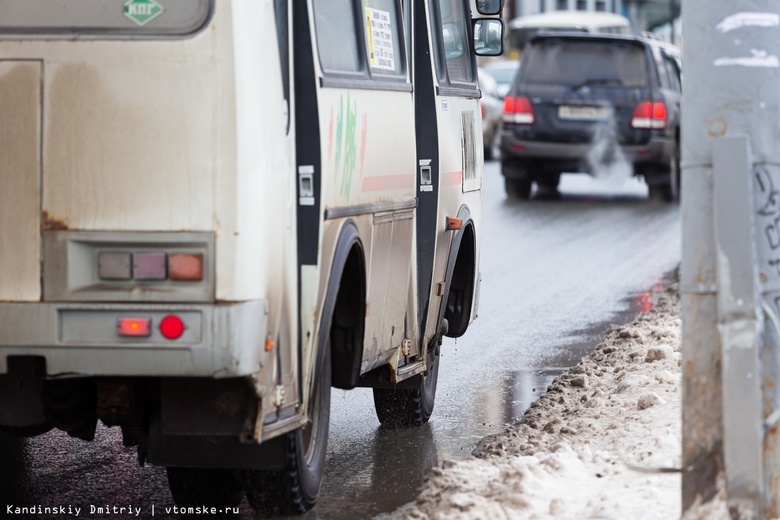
x,y
518,110
648,114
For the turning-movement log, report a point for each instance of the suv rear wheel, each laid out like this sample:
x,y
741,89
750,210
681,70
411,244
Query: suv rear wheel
x,y
670,190
518,188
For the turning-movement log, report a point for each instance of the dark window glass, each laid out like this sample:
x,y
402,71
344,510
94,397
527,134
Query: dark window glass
x,y
582,5
663,74
102,18
580,62
337,42
674,73
562,5
280,10
455,39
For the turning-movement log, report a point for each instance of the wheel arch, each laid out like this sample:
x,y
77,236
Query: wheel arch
x,y
343,316
460,281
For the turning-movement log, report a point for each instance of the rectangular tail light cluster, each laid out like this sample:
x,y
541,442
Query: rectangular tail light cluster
x,y
150,266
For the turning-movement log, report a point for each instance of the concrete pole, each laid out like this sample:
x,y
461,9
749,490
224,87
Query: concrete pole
x,y
731,90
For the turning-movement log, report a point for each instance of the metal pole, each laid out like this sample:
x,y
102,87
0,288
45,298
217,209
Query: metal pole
x,y
730,275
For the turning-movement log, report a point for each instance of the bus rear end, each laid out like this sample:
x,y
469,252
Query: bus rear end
x,y
144,227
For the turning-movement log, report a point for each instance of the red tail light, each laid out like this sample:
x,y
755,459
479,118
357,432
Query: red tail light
x,y
518,110
648,114
172,327
482,107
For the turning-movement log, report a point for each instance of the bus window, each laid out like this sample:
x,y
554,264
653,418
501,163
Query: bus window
x,y
280,11
336,35
454,34
95,17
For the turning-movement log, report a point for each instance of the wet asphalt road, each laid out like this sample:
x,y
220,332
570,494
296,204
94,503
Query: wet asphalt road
x,y
555,274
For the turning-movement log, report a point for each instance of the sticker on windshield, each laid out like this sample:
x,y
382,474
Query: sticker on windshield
x,y
380,39
143,11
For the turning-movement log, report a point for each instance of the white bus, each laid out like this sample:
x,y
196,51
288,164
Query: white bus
x,y
212,211
521,29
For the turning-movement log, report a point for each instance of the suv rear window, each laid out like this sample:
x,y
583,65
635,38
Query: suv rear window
x,y
575,62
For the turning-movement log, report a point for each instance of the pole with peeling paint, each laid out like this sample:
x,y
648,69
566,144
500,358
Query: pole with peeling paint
x,y
730,275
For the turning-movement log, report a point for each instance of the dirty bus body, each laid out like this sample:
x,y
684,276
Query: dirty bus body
x,y
203,231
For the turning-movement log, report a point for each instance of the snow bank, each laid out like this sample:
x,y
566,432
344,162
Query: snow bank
x,y
603,442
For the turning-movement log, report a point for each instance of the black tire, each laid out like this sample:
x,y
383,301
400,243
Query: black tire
x,y
676,174
549,181
662,192
518,188
205,486
294,490
405,407
669,191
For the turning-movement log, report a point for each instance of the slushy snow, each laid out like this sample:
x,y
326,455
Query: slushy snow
x,y
602,443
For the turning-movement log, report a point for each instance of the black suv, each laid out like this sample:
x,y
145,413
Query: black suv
x,y
593,103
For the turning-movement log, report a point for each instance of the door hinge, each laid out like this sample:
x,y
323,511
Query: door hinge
x,y
278,396
406,347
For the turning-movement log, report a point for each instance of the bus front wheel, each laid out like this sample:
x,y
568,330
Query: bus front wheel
x,y
405,407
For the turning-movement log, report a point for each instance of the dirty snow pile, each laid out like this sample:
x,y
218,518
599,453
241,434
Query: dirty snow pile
x,y
603,442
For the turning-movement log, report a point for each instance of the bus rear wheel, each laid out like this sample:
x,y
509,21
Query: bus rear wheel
x,y
406,407
294,489
205,486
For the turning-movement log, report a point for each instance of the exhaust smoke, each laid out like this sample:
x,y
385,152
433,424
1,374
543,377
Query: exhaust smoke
x,y
606,161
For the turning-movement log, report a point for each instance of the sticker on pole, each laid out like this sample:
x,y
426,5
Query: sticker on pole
x,y
143,11
380,39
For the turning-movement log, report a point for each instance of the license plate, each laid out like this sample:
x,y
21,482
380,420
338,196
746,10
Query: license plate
x,y
581,113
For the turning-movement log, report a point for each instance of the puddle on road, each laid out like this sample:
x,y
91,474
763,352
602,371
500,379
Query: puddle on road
x,y
522,387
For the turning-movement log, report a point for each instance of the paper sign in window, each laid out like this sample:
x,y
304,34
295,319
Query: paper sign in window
x,y
379,38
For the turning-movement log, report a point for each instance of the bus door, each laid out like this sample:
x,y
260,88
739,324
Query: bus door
x,y
365,161
449,146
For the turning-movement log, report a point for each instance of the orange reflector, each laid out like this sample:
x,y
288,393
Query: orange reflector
x,y
454,224
134,327
185,266
269,344
172,327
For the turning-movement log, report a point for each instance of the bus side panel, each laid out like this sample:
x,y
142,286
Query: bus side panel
x,y
462,163
20,117
367,161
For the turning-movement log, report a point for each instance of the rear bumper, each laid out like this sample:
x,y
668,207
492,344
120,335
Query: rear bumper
x,y
574,156
222,340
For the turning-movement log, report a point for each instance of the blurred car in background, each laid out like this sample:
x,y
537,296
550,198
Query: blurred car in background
x,y
492,107
504,72
607,105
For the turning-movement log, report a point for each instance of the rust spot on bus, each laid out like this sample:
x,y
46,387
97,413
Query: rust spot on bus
x,y
49,223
